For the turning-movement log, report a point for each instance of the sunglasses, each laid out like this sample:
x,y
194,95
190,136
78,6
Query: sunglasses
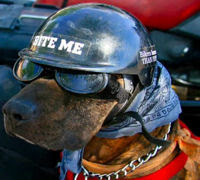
x,y
79,82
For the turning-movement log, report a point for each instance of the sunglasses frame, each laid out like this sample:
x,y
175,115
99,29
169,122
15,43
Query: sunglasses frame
x,y
58,78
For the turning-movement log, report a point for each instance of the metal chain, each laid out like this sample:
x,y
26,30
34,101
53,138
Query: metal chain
x,y
134,164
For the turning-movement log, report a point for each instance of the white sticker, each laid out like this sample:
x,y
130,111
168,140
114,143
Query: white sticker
x,y
67,45
148,55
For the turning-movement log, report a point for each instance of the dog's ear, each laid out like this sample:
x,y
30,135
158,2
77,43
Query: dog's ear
x,y
45,114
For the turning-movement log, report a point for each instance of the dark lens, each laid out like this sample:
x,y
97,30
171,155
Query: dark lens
x,y
26,70
82,83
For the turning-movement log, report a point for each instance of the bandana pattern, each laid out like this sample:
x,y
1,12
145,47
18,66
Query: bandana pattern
x,y
158,105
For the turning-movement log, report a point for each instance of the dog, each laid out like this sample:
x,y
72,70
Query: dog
x,y
46,115
58,114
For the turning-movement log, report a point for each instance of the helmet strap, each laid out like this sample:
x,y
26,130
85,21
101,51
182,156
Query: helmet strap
x,y
124,100
147,135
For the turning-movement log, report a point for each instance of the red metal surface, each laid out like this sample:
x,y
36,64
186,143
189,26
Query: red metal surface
x,y
159,14
57,3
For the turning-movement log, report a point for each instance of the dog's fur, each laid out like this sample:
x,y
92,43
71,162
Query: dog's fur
x,y
45,114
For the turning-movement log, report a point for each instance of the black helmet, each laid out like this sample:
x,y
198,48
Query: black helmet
x,y
94,38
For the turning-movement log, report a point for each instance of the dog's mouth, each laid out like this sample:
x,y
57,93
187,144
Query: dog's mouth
x,y
55,137
16,129
21,137
31,132
54,119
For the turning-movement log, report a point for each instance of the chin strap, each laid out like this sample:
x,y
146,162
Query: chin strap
x,y
147,135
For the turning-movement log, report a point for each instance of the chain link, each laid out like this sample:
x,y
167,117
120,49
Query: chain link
x,y
131,165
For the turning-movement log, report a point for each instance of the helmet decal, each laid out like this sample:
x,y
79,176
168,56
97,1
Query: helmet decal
x,y
148,55
61,45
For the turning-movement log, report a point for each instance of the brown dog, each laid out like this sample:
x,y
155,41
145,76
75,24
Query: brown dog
x,y
44,114
85,46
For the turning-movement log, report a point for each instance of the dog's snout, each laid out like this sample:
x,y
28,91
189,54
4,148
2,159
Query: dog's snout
x,y
19,110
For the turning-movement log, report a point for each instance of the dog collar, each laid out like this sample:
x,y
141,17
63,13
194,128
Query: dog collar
x,y
165,173
129,168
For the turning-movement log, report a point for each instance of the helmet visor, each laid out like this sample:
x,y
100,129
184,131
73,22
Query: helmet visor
x,y
82,82
25,70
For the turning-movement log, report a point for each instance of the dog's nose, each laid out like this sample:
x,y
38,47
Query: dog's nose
x,y
19,110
